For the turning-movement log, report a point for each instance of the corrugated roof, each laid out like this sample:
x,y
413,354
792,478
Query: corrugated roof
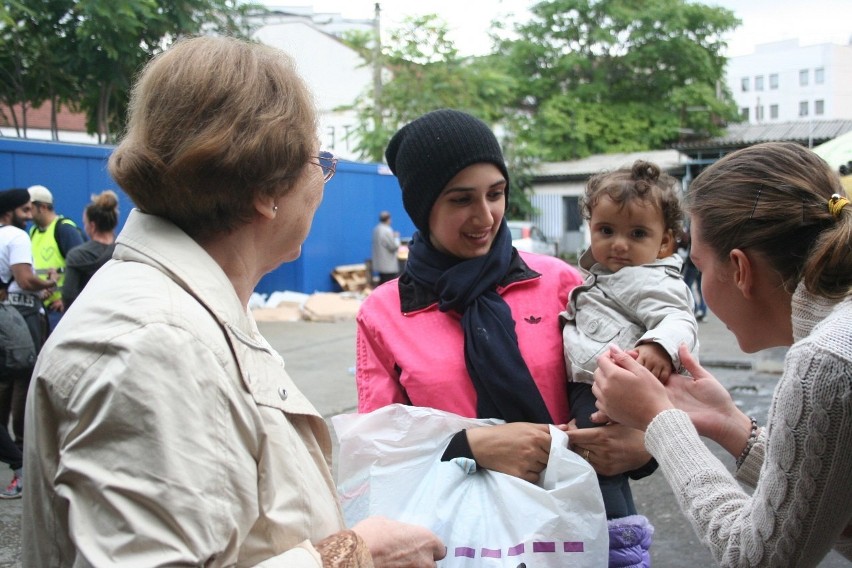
x,y
742,135
674,160
669,160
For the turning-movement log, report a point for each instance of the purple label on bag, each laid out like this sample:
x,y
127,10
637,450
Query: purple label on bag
x,y
465,551
518,549
544,546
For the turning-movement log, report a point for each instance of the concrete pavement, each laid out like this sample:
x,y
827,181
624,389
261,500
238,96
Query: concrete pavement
x,y
321,358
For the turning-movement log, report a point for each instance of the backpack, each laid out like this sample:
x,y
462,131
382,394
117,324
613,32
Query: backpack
x,y
17,350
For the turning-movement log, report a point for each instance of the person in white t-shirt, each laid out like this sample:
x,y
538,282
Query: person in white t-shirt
x,y
21,288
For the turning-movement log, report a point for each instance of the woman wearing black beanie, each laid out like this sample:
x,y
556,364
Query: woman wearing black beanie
x,y
470,327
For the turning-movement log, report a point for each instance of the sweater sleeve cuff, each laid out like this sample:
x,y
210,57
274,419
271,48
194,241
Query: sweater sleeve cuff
x,y
458,447
673,440
749,471
644,471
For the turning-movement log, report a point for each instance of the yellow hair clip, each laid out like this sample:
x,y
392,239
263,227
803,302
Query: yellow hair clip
x,y
836,204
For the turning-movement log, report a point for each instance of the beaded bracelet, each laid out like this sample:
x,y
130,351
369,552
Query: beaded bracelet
x,y
752,438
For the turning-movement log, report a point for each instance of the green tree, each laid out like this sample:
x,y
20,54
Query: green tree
x,y
423,71
598,76
33,59
84,53
116,37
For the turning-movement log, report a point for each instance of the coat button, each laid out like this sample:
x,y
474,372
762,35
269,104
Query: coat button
x,y
282,392
593,326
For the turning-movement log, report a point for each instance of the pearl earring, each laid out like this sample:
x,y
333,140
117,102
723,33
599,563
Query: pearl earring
x,y
275,209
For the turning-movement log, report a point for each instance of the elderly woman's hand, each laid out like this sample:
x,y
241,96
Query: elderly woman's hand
x,y
393,544
520,448
611,449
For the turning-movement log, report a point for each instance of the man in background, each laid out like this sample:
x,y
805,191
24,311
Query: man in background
x,y
52,237
21,289
385,248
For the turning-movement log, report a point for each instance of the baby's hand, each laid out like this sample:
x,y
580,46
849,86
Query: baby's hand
x,y
654,358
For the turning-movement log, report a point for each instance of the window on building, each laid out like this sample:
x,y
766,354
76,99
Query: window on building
x,y
803,108
745,84
758,83
744,113
804,74
773,81
819,107
819,76
347,136
758,113
773,112
573,216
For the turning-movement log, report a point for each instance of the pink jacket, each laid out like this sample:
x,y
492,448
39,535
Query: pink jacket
x,y
418,357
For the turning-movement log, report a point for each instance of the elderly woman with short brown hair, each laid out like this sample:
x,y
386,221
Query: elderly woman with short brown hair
x,y
164,428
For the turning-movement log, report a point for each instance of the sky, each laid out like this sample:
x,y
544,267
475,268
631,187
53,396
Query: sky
x,y
763,21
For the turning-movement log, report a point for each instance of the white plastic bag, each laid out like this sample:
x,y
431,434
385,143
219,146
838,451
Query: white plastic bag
x,y
389,464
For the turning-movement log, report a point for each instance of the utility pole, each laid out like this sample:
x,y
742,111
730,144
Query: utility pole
x,y
377,70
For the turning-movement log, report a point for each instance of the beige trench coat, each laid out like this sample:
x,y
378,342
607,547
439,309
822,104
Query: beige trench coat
x,y
162,429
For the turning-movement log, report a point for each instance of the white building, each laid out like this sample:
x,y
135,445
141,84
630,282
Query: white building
x,y
557,187
783,82
336,74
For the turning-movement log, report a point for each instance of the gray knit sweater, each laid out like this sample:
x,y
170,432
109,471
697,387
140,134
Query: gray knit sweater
x,y
800,467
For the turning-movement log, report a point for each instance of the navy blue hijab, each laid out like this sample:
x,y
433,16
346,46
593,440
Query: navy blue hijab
x,y
504,386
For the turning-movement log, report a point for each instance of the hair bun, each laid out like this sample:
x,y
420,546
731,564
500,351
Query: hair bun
x,y
106,200
645,170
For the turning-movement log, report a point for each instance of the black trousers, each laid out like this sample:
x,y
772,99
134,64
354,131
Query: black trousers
x,y
615,489
13,402
9,452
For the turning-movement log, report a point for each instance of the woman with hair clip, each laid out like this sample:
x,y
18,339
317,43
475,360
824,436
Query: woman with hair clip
x,y
100,218
772,233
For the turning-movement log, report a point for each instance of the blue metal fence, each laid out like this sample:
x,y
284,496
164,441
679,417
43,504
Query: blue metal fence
x,y
340,233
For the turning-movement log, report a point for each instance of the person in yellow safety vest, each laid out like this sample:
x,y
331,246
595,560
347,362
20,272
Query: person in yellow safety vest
x,y
52,237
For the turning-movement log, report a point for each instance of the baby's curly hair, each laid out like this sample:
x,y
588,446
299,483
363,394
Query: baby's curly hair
x,y
645,182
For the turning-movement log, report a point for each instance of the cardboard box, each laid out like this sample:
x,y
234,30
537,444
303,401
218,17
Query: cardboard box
x,y
351,277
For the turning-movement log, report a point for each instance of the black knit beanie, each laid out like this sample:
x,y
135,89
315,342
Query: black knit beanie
x,y
428,152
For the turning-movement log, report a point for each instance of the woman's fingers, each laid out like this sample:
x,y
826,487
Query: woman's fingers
x,y
623,359
690,363
394,544
613,449
599,417
520,448
626,391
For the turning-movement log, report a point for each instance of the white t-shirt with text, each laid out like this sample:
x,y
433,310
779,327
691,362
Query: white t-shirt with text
x,y
15,248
